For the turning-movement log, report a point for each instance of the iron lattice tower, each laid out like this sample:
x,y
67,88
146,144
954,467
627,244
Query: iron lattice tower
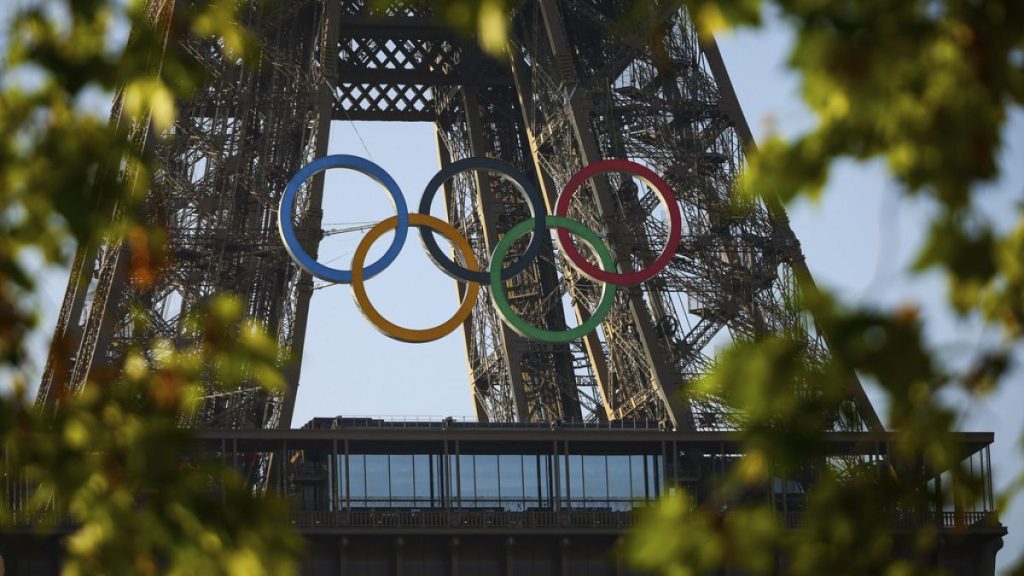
x,y
578,86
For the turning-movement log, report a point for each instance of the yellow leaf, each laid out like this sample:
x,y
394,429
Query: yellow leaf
x,y
753,467
76,434
135,367
492,26
711,20
86,538
245,563
162,106
150,95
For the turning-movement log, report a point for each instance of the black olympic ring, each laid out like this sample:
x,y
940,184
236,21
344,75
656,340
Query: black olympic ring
x,y
537,211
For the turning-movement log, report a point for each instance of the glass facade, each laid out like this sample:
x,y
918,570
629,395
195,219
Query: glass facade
x,y
510,482
613,482
389,480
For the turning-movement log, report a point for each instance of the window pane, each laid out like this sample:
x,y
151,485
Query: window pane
x,y
562,472
531,481
401,475
357,479
546,480
577,483
596,478
421,473
619,491
378,485
467,478
487,480
340,471
637,469
654,476
511,477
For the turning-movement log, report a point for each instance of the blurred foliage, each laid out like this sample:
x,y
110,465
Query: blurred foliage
x,y
113,459
925,86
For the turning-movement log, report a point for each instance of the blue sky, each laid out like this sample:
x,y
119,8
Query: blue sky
x,y
858,242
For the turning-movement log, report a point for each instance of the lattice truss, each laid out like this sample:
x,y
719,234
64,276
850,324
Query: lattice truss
x,y
616,96
93,271
553,380
392,61
578,87
222,168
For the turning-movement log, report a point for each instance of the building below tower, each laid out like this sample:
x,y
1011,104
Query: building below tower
x,y
400,498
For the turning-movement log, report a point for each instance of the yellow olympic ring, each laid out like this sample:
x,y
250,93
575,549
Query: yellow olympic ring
x,y
384,325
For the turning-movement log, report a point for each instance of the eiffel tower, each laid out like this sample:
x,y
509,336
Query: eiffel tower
x,y
577,87
578,84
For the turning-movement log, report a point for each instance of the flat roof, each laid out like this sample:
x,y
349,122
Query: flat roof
x,y
533,437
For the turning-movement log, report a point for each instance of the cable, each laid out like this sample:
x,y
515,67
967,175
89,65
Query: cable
x,y
358,135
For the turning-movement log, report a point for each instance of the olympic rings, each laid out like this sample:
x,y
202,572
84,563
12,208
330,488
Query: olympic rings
x,y
387,327
537,212
287,228
521,326
538,224
675,230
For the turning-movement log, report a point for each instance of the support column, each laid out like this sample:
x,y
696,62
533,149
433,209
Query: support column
x,y
479,409
591,342
311,227
399,555
343,556
510,544
454,557
487,209
563,556
665,381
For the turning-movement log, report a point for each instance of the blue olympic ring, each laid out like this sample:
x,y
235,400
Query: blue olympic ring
x,y
286,214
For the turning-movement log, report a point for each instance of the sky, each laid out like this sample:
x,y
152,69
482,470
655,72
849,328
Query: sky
x,y
858,242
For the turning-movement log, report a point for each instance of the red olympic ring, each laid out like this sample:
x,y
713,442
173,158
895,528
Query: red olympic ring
x,y
675,231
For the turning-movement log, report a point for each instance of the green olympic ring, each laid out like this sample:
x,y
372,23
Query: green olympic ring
x,y
520,325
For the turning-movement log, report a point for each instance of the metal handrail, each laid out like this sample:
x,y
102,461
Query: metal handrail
x,y
469,518
362,422
578,519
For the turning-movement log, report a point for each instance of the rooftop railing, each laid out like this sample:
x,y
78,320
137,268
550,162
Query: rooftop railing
x,y
581,520
380,422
